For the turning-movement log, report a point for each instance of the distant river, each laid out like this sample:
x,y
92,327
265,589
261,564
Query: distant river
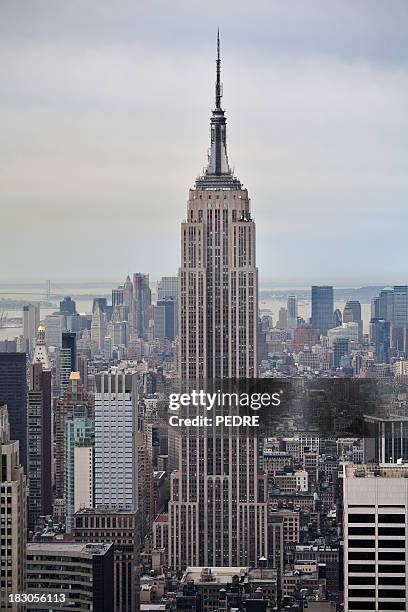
x,y
304,309
83,306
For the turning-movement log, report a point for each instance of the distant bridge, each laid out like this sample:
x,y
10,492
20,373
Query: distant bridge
x,y
47,294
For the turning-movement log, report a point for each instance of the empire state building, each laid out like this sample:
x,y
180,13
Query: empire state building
x,y
218,510
218,278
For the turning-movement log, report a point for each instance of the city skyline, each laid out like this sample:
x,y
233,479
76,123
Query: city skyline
x,y
322,155
211,431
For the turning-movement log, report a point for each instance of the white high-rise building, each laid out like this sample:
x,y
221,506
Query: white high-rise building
x,y
54,326
116,431
31,321
375,537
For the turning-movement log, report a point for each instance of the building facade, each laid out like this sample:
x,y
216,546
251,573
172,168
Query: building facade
x,y
13,527
322,308
218,278
121,528
84,578
79,465
217,510
292,311
31,321
116,428
39,443
13,393
375,531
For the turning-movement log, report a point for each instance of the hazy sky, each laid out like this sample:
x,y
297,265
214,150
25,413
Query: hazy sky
x,y
104,114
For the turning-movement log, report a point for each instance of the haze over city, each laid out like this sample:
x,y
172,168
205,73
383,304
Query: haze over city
x,y
203,306
105,123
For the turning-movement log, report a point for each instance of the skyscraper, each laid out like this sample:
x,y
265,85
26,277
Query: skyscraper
x,y
66,362
69,344
217,509
322,308
141,301
292,311
13,393
31,321
13,510
352,311
167,287
282,322
121,528
340,349
84,573
116,427
79,458
67,306
117,296
127,292
54,326
399,332
40,350
74,405
352,314
98,327
164,318
218,278
392,306
375,531
380,338
383,305
39,442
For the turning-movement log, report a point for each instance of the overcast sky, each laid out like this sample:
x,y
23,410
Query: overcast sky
x,y
104,114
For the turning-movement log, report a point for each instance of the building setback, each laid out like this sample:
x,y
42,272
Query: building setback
x,y
218,278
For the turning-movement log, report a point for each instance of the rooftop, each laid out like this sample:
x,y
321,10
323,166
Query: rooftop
x,y
162,518
217,575
103,510
383,470
67,548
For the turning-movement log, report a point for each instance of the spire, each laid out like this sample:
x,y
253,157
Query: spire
x,y
218,86
218,174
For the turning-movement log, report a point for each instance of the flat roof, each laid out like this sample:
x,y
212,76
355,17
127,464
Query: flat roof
x,y
383,470
58,547
213,575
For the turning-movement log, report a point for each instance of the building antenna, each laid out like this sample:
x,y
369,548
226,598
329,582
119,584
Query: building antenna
x,y
218,86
